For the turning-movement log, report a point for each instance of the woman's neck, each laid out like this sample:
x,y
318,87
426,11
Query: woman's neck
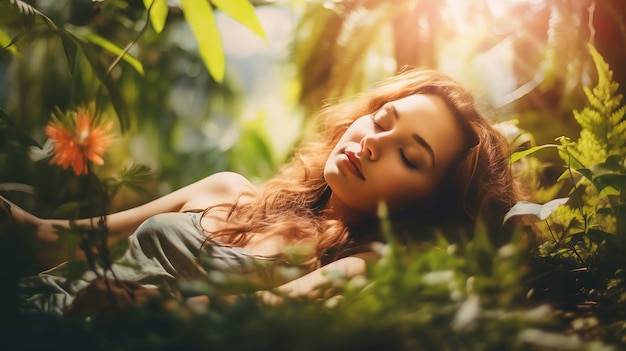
x,y
337,209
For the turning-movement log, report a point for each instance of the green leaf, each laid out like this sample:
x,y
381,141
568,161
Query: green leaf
x,y
68,209
115,95
243,12
6,43
516,156
538,210
135,177
70,48
601,237
587,173
75,269
612,180
201,19
5,118
10,132
158,13
109,46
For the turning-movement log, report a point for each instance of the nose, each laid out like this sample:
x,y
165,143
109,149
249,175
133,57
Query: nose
x,y
370,147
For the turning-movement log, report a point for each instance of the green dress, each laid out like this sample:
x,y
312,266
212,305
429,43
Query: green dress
x,y
165,250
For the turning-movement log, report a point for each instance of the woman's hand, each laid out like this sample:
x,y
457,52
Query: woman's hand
x,y
107,299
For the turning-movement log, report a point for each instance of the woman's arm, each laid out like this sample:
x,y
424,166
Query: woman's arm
x,y
94,300
308,284
223,187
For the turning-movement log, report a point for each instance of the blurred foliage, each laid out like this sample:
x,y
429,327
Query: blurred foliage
x,y
173,116
432,295
342,47
583,252
184,124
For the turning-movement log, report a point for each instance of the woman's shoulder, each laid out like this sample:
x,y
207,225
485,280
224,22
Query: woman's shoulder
x,y
218,188
228,184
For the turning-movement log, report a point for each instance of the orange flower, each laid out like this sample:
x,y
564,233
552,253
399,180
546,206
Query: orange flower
x,y
79,143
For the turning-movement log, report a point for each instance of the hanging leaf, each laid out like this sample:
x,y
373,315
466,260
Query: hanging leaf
x,y
158,13
109,46
529,208
199,15
70,48
115,94
243,12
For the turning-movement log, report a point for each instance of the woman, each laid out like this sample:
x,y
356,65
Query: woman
x,y
415,145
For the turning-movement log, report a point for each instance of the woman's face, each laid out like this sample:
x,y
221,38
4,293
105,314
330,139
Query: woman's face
x,y
397,155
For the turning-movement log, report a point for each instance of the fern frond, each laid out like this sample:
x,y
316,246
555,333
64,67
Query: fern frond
x,y
590,151
588,119
592,98
606,90
602,121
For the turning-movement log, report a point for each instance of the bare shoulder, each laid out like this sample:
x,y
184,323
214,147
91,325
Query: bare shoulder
x,y
228,184
218,188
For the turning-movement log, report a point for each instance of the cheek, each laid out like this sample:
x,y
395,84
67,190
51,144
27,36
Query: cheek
x,y
400,191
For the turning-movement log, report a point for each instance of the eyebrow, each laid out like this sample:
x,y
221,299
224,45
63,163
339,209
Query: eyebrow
x,y
416,137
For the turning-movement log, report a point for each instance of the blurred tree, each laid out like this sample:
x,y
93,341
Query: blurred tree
x,y
343,46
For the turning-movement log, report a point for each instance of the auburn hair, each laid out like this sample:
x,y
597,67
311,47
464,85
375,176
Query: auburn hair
x,y
479,184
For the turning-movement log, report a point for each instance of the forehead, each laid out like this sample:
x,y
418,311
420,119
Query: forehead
x,y
430,105
431,118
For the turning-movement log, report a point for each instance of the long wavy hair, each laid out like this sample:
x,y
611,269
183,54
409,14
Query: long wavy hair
x,y
478,184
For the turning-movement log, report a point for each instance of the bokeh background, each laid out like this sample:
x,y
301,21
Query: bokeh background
x,y
527,60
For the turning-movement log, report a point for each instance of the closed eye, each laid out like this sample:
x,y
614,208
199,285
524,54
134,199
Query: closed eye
x,y
377,125
406,161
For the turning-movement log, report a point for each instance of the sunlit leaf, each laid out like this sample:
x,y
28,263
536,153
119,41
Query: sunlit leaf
x,y
243,12
111,47
529,208
516,156
6,43
201,19
158,13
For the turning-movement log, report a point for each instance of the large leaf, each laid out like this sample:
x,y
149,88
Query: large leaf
x,y
109,46
70,48
158,13
201,19
243,12
115,94
538,210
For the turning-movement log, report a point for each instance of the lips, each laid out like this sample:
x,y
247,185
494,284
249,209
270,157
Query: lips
x,y
353,164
